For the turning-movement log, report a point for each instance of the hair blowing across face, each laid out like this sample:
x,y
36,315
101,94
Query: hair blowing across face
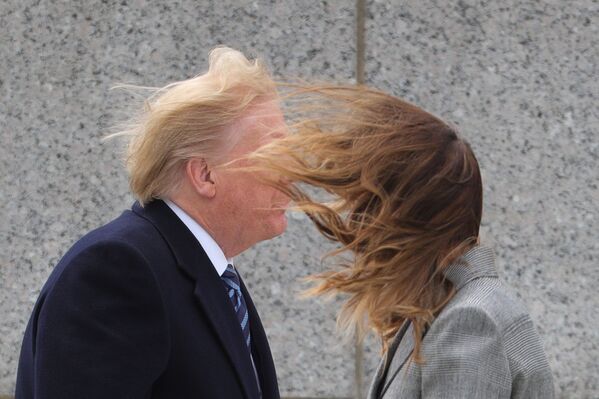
x,y
408,201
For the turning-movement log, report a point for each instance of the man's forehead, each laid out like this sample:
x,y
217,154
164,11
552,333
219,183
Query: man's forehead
x,y
258,125
265,118
263,111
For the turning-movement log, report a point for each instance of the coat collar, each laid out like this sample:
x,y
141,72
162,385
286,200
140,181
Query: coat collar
x,y
209,291
478,261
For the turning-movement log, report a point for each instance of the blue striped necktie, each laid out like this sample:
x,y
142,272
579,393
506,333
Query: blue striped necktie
x,y
233,288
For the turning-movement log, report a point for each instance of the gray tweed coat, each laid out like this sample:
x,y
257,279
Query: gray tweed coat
x,y
482,345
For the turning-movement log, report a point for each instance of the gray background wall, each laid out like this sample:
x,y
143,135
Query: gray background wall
x,y
518,77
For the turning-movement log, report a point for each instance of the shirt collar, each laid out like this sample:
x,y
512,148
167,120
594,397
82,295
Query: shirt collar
x,y
212,249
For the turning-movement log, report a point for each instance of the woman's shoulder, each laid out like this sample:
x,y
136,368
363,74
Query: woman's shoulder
x,y
487,311
490,297
479,290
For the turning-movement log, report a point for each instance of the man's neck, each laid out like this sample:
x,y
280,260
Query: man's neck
x,y
210,225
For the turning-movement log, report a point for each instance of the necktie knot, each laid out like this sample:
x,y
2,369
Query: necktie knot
x,y
231,278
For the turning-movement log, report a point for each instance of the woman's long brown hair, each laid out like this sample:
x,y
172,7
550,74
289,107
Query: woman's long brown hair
x,y
407,197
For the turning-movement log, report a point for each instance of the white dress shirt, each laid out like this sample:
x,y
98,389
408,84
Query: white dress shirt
x,y
212,249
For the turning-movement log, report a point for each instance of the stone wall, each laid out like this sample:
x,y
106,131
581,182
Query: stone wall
x,y
518,77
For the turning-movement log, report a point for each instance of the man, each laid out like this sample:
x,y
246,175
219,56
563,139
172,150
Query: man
x,y
149,305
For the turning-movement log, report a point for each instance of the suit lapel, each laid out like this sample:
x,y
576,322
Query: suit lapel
x,y
404,346
261,350
209,291
376,389
212,298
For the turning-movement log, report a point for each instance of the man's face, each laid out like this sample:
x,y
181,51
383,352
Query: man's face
x,y
250,209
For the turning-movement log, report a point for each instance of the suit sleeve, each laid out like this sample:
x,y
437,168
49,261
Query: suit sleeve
x,y
464,357
531,375
101,330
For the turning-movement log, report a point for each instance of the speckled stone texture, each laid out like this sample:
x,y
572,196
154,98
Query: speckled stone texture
x,y
58,180
518,77
520,80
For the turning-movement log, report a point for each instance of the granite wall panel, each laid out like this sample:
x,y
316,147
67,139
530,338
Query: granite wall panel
x,y
519,78
58,61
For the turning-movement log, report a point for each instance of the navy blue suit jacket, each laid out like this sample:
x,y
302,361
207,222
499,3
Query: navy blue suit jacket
x,y
135,309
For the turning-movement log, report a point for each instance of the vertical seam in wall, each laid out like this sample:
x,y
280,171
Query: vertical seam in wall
x,y
360,61
360,39
359,368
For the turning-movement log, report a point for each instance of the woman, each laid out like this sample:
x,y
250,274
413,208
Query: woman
x,y
407,205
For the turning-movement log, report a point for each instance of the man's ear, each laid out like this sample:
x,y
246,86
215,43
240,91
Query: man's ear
x,y
199,175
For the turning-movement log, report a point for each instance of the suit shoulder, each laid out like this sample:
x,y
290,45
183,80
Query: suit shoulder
x,y
489,295
488,304
122,243
126,231
128,227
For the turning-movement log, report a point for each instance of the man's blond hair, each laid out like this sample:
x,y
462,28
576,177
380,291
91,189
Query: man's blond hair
x,y
189,119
